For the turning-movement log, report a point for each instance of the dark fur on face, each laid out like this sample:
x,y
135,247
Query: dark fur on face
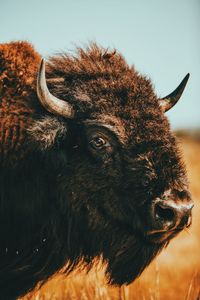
x,y
81,188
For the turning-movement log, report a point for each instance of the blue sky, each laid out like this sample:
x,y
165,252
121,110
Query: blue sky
x,y
160,37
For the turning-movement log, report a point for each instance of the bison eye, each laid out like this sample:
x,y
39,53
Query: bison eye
x,y
97,143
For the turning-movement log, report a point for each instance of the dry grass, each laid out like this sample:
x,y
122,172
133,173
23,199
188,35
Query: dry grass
x,y
174,275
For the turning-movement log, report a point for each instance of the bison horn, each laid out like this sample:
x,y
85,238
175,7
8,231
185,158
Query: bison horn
x,y
50,102
169,101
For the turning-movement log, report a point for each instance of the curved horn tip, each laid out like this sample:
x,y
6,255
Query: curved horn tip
x,y
185,79
170,100
188,75
42,66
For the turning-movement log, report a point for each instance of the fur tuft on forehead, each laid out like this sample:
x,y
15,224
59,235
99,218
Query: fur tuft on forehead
x,y
95,80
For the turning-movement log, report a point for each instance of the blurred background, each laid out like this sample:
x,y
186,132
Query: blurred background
x,y
161,38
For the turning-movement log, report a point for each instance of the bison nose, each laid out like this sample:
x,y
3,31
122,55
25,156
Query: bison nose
x,y
169,214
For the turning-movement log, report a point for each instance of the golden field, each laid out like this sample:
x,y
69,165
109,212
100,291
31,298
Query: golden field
x,y
174,275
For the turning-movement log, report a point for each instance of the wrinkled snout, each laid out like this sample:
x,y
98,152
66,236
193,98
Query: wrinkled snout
x,y
171,213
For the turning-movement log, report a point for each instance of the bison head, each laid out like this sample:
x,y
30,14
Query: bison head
x,y
121,173
103,175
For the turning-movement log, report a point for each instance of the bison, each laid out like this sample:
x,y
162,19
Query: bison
x,y
88,167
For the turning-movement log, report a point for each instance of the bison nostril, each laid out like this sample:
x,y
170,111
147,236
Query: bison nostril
x,y
164,214
169,214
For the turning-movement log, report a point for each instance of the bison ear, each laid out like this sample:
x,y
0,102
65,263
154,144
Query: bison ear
x,y
47,132
169,101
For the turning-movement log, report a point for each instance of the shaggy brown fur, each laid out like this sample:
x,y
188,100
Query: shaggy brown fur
x,y
61,199
18,68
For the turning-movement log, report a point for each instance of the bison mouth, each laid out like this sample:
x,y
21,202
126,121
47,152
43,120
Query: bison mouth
x,y
165,236
159,237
